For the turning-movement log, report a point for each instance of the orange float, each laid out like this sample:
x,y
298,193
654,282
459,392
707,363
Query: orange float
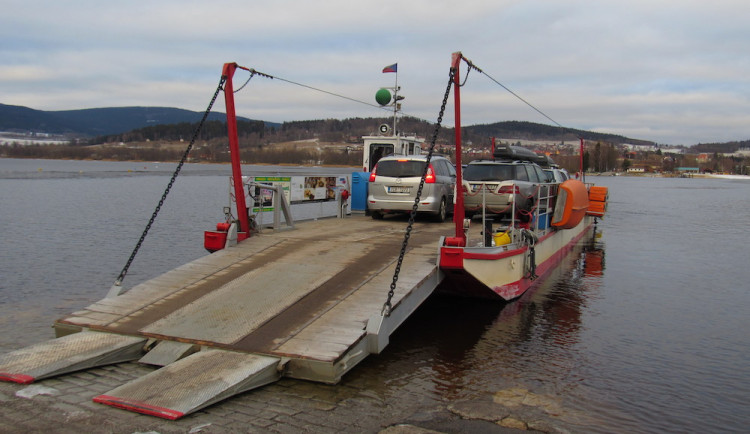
x,y
598,193
597,209
598,197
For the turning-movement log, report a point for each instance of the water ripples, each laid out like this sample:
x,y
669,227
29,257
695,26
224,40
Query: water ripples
x,y
646,333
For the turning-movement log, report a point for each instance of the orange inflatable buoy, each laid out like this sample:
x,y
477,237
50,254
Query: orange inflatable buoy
x,y
597,193
597,208
598,197
572,204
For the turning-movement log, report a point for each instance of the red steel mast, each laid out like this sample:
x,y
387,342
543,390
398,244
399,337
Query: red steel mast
x,y
234,150
458,210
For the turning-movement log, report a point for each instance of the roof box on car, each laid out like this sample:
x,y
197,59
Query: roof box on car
x,y
545,161
510,152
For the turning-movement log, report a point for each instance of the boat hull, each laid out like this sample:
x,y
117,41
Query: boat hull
x,y
507,272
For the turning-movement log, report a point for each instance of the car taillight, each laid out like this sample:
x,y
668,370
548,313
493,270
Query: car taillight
x,y
430,178
508,189
372,174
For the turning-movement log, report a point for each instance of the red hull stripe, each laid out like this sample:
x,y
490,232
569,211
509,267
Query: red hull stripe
x,y
139,407
501,255
515,289
16,378
494,256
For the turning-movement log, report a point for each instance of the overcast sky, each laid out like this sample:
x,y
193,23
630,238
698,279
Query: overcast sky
x,y
671,71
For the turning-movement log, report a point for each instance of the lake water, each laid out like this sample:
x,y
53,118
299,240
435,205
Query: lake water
x,y
644,331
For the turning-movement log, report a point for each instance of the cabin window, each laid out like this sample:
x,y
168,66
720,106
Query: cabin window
x,y
378,151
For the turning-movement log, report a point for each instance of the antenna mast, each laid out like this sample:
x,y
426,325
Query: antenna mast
x,y
385,97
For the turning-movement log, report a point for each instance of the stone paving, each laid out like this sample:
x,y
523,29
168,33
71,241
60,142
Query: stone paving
x,y
64,405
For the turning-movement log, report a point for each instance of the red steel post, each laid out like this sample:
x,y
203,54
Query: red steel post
x,y
458,211
234,149
583,172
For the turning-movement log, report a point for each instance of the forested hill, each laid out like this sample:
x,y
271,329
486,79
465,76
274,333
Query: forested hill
x,y
165,123
351,130
722,148
95,121
533,131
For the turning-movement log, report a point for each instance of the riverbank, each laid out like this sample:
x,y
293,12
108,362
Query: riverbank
x,y
673,175
64,405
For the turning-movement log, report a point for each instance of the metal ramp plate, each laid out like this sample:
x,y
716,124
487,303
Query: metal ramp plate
x,y
166,352
192,383
71,353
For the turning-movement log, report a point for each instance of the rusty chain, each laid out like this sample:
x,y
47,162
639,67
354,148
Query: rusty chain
x,y
387,306
124,271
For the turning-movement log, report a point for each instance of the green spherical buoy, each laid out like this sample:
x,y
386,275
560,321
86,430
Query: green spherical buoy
x,y
383,96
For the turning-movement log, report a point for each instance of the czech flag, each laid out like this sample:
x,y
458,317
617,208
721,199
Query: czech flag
x,y
391,68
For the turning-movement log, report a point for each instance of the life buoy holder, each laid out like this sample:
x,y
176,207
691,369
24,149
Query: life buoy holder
x,y
572,204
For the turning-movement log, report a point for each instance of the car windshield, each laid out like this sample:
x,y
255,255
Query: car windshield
x,y
400,168
488,172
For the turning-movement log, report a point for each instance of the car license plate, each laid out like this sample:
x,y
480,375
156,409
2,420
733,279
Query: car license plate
x,y
398,189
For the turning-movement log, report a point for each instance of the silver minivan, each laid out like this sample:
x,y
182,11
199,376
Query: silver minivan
x,y
395,179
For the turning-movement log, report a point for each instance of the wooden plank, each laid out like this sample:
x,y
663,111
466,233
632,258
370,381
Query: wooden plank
x,y
238,308
313,349
335,335
360,305
308,292
104,308
89,318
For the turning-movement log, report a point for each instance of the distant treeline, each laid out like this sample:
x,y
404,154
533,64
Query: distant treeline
x,y
71,152
256,139
722,148
181,131
255,133
533,131
258,133
209,153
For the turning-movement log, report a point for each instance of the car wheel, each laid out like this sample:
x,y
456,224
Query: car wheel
x,y
377,215
442,211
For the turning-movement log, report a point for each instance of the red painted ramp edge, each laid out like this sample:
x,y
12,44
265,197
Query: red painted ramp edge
x,y
139,407
16,378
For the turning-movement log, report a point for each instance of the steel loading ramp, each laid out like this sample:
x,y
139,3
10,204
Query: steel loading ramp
x,y
192,383
68,354
298,303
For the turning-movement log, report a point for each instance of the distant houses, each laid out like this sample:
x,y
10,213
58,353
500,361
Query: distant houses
x,y
682,170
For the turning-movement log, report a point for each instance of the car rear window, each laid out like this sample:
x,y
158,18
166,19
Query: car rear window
x,y
488,172
400,168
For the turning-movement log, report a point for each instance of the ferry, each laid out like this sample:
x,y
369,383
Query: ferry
x,y
477,262
308,303
506,264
